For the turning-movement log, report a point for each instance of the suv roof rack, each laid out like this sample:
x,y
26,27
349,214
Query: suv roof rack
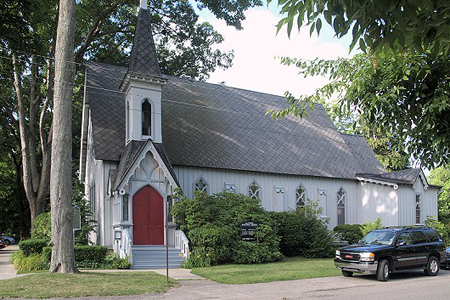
x,y
416,226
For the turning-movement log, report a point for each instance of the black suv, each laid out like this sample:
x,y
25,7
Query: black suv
x,y
391,249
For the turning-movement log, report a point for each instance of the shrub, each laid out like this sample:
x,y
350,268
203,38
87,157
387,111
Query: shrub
x,y
42,227
31,262
260,251
370,226
212,225
303,233
32,246
92,257
350,233
212,243
95,254
442,228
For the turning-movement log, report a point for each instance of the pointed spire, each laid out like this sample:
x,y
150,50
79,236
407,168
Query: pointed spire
x,y
143,59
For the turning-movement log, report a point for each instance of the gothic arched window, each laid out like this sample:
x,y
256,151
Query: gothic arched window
x,y
341,198
300,196
146,118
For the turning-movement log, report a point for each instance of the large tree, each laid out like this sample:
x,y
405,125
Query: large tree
x,y
403,96
63,256
104,32
398,93
381,25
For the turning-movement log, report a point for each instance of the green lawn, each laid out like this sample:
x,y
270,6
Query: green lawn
x,y
49,285
288,269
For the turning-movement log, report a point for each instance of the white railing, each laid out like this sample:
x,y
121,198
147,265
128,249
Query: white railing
x,y
125,247
181,242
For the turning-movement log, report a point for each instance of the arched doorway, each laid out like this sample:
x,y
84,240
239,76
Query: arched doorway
x,y
148,217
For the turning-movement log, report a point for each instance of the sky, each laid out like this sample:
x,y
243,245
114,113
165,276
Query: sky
x,y
257,49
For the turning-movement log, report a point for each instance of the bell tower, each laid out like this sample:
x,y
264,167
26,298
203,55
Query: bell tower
x,y
143,84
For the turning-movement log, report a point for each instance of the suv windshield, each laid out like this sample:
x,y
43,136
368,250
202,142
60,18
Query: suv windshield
x,y
379,238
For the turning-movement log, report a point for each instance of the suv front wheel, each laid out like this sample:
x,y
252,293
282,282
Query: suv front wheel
x,y
383,270
432,267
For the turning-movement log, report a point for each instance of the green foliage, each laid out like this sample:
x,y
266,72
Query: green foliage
x,y
349,232
212,226
303,233
32,246
42,227
264,250
212,244
90,253
33,262
443,229
441,176
392,26
370,226
401,97
93,257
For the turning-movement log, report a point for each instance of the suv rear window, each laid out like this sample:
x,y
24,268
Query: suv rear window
x,y
418,237
433,235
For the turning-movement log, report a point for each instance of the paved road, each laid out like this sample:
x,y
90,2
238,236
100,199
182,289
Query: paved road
x,y
402,286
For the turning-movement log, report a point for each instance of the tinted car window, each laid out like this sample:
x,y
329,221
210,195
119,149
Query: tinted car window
x,y
404,237
433,235
418,237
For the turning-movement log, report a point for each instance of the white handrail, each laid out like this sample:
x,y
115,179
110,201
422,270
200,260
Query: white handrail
x,y
125,247
181,242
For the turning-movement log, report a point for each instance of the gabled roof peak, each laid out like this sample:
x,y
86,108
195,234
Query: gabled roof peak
x,y
143,60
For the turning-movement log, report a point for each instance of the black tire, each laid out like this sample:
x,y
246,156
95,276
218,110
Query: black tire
x,y
432,266
347,273
383,270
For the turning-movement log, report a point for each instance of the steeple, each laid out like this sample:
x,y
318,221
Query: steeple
x,y
143,59
143,84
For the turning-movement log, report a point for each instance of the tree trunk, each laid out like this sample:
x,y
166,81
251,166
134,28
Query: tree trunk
x,y
63,258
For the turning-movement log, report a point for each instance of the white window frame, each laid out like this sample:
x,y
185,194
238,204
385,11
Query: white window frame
x,y
151,118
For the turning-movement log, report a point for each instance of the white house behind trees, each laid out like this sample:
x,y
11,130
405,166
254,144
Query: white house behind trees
x,y
145,134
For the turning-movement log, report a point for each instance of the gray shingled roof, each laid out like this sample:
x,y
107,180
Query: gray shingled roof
x,y
143,60
215,126
407,176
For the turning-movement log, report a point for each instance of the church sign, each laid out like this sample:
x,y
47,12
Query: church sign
x,y
247,231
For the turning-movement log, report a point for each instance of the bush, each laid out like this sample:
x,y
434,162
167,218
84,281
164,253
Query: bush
x,y
92,257
370,226
303,233
33,262
32,246
90,253
350,233
212,244
212,226
42,228
442,228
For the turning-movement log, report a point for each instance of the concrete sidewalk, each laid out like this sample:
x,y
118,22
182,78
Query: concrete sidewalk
x,y
7,270
177,274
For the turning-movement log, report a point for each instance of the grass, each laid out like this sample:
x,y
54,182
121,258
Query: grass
x,y
50,285
288,269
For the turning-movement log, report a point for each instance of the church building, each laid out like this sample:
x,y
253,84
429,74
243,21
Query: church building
x,y
144,134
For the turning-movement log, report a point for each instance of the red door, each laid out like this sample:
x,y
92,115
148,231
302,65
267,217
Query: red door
x,y
148,217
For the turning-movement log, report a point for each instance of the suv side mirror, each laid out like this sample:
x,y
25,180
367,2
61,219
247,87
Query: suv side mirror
x,y
401,243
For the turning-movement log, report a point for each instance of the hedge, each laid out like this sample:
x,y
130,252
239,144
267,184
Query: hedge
x,y
92,254
32,246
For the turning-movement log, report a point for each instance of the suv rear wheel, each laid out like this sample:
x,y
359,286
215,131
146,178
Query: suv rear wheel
x,y
432,267
383,270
